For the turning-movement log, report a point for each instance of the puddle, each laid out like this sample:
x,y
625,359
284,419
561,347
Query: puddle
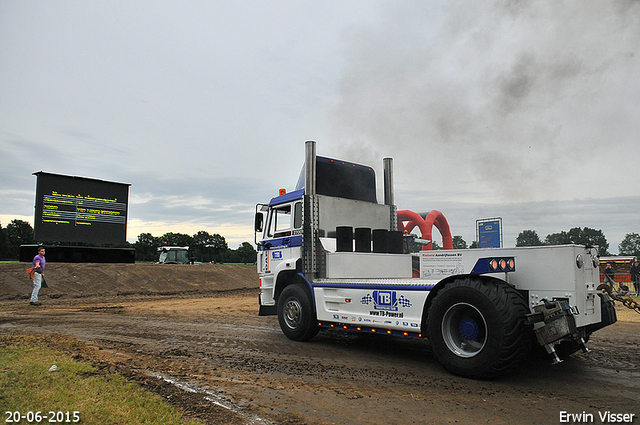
x,y
214,399
7,325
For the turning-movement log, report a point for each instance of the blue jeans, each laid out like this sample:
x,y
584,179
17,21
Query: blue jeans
x,y
609,282
37,283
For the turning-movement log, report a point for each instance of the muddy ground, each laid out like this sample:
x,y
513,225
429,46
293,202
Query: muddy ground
x,y
192,334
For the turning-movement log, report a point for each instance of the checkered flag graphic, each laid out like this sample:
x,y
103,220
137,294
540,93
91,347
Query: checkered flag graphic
x,y
367,299
404,302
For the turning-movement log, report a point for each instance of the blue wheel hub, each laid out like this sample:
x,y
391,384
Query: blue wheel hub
x,y
469,329
464,330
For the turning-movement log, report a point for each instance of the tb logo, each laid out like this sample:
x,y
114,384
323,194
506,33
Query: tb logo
x,y
385,300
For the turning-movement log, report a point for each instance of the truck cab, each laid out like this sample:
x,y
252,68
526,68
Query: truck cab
x,y
280,248
173,255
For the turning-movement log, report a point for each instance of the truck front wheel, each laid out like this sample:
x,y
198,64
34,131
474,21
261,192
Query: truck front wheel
x,y
476,327
295,314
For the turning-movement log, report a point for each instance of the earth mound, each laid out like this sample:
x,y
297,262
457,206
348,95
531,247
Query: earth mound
x,y
75,280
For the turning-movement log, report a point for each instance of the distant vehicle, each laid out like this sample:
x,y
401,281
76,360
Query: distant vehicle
x,y
174,255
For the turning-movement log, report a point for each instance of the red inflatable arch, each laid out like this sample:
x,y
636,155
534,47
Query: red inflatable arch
x,y
425,224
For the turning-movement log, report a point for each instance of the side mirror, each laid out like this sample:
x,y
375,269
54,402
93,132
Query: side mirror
x,y
258,223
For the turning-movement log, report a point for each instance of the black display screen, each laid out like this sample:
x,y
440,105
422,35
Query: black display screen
x,y
80,209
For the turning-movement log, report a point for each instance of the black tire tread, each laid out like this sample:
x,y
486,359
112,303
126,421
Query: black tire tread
x,y
511,308
309,328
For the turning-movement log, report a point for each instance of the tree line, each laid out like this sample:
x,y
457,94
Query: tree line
x,y
630,245
204,247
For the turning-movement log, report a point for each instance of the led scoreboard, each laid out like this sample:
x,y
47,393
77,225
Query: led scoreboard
x,y
80,209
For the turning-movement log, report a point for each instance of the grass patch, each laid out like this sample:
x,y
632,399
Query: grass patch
x,y
27,385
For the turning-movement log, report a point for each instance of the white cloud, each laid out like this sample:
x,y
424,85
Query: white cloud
x,y
509,102
204,107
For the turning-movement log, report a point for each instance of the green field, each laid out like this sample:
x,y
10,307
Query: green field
x,y
76,392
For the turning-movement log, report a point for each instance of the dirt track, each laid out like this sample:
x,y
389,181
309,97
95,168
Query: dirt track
x,y
197,327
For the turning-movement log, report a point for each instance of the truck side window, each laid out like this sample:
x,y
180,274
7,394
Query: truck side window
x,y
297,215
280,224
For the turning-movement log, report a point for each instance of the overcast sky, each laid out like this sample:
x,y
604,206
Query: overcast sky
x,y
525,110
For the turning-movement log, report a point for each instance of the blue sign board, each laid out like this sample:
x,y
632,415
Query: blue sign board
x,y
490,233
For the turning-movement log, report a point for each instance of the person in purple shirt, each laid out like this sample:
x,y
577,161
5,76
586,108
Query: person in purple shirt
x,y
38,263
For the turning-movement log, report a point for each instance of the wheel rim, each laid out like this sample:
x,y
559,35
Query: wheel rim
x,y
292,313
464,330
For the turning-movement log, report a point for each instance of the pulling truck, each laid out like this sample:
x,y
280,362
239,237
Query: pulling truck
x,y
483,310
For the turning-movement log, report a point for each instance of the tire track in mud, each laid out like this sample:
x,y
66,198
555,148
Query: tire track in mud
x,y
220,345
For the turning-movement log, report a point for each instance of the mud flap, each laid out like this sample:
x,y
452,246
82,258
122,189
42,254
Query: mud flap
x,y
266,310
609,316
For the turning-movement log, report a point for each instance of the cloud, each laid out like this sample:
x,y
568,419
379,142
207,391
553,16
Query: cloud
x,y
499,101
204,107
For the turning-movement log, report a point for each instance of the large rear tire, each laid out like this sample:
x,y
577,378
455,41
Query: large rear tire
x,y
476,327
295,314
